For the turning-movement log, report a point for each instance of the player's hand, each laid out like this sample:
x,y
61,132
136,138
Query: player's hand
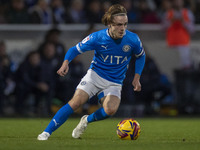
x,y
136,83
63,69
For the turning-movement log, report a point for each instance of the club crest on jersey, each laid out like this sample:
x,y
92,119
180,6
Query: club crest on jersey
x,y
126,48
85,39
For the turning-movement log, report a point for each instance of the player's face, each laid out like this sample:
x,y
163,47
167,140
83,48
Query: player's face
x,y
34,59
118,27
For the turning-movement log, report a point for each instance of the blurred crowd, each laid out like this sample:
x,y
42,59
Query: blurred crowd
x,y
85,11
34,88
35,79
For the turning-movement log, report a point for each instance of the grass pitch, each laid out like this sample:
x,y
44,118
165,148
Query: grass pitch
x,y
156,134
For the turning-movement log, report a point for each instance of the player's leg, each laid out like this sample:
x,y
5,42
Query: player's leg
x,y
107,91
110,105
110,100
79,98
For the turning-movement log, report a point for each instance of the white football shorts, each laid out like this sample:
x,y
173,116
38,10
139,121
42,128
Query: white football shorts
x,y
93,84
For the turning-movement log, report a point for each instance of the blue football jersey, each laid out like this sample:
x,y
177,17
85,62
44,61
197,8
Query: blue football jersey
x,y
111,57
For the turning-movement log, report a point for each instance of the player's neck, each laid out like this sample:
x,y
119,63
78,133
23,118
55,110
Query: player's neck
x,y
111,34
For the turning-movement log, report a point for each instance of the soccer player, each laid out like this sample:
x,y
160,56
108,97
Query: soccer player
x,y
113,49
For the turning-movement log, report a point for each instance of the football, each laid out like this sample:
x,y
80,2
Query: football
x,y
128,129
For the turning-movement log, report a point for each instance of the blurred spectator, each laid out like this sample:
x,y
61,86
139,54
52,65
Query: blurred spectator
x,y
155,85
48,62
7,84
153,81
28,82
41,13
90,11
179,24
52,36
94,11
36,77
146,14
132,13
76,12
105,6
58,10
17,13
165,6
48,72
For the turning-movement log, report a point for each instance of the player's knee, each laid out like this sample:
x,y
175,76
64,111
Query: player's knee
x,y
110,111
74,105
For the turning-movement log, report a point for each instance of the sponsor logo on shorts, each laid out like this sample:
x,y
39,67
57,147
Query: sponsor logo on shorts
x,y
83,83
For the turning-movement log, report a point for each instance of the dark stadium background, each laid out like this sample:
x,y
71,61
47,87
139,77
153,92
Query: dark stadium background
x,y
22,33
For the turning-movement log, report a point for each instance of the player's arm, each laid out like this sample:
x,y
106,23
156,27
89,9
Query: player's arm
x,y
139,65
69,56
86,44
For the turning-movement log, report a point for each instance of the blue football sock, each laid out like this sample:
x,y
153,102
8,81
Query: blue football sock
x,y
100,114
60,117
